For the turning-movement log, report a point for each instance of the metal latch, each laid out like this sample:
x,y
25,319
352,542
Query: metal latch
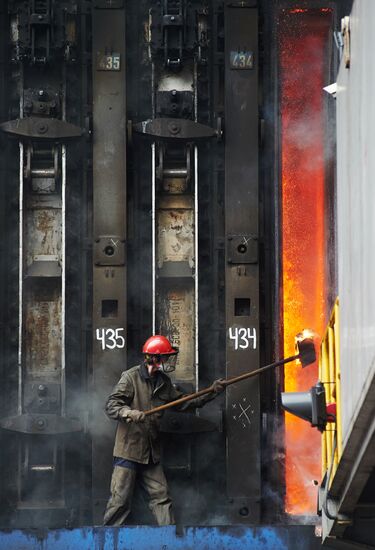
x,y
40,424
180,129
109,250
41,128
242,249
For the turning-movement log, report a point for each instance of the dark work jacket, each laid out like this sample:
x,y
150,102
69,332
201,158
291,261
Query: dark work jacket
x,y
135,390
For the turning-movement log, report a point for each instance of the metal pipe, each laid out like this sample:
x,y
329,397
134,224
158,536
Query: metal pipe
x,y
153,221
325,365
63,277
332,368
20,259
338,379
20,281
42,468
63,251
43,173
196,270
175,172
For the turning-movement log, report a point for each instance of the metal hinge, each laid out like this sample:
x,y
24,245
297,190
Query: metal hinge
x,y
41,128
180,129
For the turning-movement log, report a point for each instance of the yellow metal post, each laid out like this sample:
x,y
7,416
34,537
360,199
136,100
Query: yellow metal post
x,y
329,372
338,379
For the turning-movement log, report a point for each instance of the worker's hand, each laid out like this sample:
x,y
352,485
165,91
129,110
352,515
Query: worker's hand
x,y
218,386
132,415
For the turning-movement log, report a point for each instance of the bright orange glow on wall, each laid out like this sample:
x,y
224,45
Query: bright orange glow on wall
x,y
302,60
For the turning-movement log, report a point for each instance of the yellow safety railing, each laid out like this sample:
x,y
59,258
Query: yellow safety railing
x,y
329,374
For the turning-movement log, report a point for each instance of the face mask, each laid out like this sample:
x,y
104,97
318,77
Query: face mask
x,y
166,363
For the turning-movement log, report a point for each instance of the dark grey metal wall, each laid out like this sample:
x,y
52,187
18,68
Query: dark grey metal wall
x,y
124,59
45,107
242,271
109,232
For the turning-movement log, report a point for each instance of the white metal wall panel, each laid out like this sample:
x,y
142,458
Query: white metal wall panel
x,y
356,213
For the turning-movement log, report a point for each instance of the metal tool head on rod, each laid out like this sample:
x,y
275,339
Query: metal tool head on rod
x,y
305,347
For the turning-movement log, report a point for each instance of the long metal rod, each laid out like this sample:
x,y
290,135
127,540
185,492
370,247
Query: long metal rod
x,y
174,172
153,205
20,259
227,382
63,254
20,282
196,247
43,172
63,278
153,221
196,269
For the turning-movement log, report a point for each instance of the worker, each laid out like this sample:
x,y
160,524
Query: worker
x,y
137,443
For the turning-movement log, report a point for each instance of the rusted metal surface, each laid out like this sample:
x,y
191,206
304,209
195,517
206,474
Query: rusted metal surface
x,y
176,321
175,259
42,233
175,236
174,185
42,335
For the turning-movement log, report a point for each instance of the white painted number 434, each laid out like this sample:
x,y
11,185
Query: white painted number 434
x,y
243,337
110,338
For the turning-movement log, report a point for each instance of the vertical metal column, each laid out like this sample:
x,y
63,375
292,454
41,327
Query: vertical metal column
x,y
176,275
20,281
43,64
242,271
109,229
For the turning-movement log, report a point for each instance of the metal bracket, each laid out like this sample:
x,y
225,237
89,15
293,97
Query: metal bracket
x,y
172,21
45,265
178,168
42,396
175,103
44,424
41,128
242,249
42,101
40,19
109,250
174,129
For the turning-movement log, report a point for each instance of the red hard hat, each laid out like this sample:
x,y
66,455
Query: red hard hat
x,y
158,345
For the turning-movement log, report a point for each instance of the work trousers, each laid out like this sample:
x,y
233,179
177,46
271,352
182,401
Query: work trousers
x,y
151,477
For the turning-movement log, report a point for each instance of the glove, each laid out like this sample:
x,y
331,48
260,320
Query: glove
x,y
218,386
132,415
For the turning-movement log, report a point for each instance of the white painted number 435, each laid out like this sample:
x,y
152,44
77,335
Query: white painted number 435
x,y
110,338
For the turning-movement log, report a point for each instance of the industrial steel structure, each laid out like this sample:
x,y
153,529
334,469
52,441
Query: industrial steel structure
x,y
169,167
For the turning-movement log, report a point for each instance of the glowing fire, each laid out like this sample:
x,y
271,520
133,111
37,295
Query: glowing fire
x,y
302,46
305,346
305,333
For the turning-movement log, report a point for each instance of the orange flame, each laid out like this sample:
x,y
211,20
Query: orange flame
x,y
309,336
302,44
